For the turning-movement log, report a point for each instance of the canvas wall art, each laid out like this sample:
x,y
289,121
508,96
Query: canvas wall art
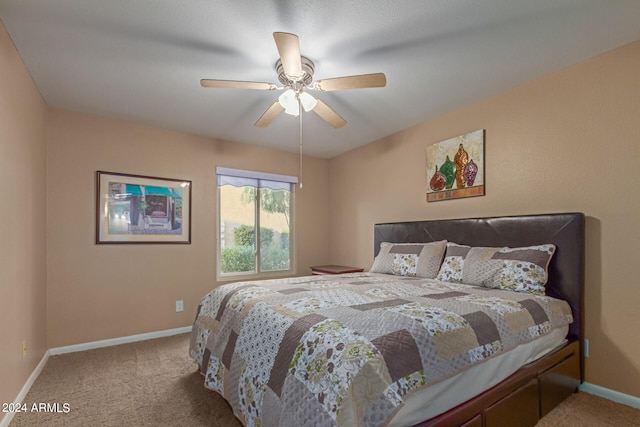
x,y
455,167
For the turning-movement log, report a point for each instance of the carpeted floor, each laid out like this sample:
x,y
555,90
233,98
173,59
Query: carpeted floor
x,y
155,383
147,383
586,410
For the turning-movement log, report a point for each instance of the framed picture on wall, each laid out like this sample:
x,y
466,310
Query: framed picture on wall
x,y
142,209
455,167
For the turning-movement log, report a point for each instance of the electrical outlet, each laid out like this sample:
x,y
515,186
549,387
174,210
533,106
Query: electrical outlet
x,y
24,349
179,306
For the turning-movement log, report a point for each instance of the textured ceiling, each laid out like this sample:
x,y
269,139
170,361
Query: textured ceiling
x,y
143,60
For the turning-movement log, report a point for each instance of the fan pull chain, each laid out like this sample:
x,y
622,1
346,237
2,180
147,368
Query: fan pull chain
x,y
300,116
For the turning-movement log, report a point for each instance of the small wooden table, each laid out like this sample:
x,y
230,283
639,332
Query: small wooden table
x,y
334,269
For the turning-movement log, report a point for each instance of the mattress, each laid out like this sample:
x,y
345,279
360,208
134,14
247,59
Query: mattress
x,y
447,394
358,349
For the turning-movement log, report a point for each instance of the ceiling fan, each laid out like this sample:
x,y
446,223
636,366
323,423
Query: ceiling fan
x,y
295,73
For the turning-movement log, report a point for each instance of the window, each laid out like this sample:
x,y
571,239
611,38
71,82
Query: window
x,y
250,201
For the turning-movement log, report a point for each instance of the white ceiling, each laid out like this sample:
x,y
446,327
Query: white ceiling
x,y
142,60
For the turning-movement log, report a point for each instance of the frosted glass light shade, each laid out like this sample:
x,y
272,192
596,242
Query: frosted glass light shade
x,y
308,102
289,102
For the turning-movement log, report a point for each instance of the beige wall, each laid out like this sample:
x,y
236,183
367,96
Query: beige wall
x,y
22,221
98,292
567,142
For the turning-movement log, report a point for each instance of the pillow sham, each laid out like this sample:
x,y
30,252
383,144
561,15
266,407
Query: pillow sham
x,y
451,268
410,259
522,269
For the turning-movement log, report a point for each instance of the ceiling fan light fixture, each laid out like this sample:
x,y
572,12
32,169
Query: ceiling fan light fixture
x,y
295,73
308,102
289,102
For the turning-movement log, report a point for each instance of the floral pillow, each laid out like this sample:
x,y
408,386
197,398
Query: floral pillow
x,y
518,269
410,259
451,268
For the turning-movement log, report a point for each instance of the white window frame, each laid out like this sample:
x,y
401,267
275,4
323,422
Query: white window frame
x,y
240,173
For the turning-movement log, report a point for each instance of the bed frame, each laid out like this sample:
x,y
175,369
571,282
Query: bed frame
x,y
535,389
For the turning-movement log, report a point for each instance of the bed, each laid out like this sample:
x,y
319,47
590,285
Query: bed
x,y
388,348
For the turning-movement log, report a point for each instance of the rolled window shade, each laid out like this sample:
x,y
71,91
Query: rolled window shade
x,y
244,178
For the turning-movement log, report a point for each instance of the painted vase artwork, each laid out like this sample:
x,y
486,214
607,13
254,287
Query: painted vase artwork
x,y
470,172
455,167
448,169
438,181
461,159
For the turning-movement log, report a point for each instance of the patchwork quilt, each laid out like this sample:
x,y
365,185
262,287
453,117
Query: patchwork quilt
x,y
346,350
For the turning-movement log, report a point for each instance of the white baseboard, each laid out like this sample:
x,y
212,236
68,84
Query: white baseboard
x,y
6,420
117,341
616,396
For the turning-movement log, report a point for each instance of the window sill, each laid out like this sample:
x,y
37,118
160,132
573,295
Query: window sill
x,y
256,276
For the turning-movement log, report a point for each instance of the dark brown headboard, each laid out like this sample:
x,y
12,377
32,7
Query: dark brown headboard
x,y
565,230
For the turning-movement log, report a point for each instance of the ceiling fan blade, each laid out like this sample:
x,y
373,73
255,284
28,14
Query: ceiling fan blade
x,y
328,115
269,115
352,82
289,49
234,84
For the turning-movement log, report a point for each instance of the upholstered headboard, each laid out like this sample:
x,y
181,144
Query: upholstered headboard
x,y
565,230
